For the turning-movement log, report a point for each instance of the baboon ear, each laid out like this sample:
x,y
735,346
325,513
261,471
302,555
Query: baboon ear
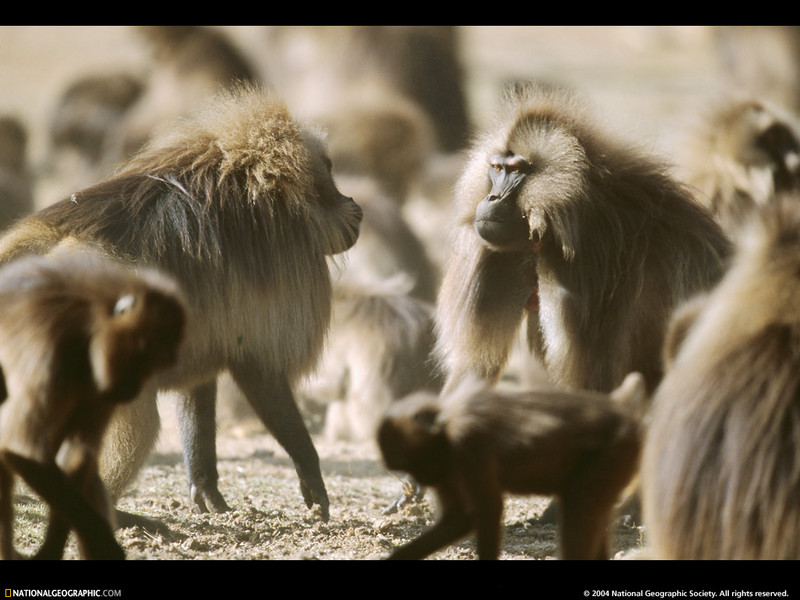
x,y
632,393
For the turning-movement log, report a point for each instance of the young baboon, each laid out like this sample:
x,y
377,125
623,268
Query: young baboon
x,y
239,206
721,463
79,336
588,237
746,152
379,350
473,444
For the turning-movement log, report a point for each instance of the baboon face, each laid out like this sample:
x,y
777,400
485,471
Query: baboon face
x,y
411,439
339,209
533,166
498,217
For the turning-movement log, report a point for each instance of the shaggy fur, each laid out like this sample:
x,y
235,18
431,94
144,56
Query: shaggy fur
x,y
618,244
238,205
721,466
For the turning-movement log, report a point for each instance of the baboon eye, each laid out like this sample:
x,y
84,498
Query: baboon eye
x,y
124,304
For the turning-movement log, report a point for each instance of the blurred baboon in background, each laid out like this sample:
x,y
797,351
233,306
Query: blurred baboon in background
x,y
237,203
721,463
387,247
82,133
16,182
88,111
762,60
746,152
313,64
587,236
189,64
379,350
380,135
79,336
474,444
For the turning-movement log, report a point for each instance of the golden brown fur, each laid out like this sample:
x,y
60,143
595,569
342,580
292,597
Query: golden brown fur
x,y
721,464
474,444
79,335
609,245
238,205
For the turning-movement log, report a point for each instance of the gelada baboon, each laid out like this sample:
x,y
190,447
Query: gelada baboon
x,y
589,237
474,443
79,336
238,205
720,466
746,152
379,350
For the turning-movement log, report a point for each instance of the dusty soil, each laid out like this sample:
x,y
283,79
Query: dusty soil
x,y
269,519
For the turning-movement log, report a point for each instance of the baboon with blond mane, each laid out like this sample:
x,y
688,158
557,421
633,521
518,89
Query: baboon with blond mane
x,y
238,205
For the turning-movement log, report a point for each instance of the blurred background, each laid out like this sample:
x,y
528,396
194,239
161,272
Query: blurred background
x,y
648,79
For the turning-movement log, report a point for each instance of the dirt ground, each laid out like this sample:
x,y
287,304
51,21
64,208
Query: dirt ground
x,y
647,79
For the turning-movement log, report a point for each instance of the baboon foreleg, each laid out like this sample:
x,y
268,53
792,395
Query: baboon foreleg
x,y
72,507
197,417
273,401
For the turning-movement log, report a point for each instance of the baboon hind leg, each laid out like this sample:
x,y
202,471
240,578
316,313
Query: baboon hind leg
x,y
72,507
272,398
197,417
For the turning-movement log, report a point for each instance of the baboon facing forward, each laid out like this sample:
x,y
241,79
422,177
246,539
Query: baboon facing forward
x,y
239,206
589,238
721,463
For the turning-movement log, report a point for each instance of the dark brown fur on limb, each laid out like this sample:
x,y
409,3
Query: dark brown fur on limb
x,y
238,205
721,464
474,444
79,335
